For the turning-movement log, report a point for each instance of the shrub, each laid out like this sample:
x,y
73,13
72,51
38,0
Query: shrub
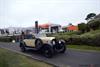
x,y
90,38
94,24
9,38
82,27
5,39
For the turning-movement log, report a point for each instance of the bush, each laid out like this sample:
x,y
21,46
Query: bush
x,y
5,39
65,37
94,24
82,27
90,38
9,38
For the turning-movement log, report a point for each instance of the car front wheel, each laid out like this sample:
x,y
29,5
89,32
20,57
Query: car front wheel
x,y
60,48
47,51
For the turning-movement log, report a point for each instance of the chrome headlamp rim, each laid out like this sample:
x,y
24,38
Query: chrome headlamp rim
x,y
61,40
53,41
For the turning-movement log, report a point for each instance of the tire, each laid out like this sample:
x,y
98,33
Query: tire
x,y
38,43
47,51
64,49
60,48
22,47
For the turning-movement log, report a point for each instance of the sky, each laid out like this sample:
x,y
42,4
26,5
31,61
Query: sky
x,y
23,13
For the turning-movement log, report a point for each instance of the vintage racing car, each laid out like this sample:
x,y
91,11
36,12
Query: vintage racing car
x,y
47,45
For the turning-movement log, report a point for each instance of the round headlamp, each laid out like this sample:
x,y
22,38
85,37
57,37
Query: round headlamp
x,y
53,42
59,41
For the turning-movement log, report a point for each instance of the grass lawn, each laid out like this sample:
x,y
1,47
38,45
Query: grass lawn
x,y
11,59
84,47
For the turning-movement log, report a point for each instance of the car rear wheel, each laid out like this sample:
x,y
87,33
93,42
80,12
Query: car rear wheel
x,y
22,47
47,51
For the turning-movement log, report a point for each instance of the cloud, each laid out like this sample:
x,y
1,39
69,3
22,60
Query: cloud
x,y
26,12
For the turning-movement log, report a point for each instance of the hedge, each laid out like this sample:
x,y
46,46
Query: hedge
x,y
7,38
87,39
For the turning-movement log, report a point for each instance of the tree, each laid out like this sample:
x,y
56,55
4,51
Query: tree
x,y
90,16
82,27
94,24
97,16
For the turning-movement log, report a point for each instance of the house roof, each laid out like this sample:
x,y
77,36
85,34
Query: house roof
x,y
72,27
46,25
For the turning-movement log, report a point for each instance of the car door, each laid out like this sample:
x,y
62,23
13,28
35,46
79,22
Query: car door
x,y
30,42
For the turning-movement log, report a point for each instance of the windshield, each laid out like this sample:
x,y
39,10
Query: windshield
x,y
40,35
29,36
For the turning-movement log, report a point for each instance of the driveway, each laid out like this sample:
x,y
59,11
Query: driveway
x,y
71,58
